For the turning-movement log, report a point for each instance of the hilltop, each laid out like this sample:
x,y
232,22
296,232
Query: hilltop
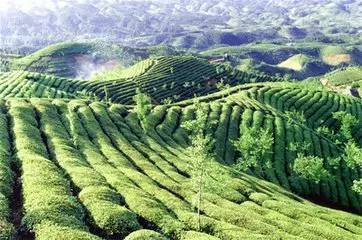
x,y
174,78
180,23
299,60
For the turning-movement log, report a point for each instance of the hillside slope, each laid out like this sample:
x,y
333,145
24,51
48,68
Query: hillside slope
x,y
299,59
78,59
175,78
296,62
345,76
121,179
182,23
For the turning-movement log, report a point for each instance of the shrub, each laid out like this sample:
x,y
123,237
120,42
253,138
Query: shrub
x,y
145,234
50,231
253,145
106,213
192,235
142,108
310,167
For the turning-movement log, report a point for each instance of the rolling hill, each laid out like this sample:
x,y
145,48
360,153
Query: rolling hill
x,y
298,59
180,120
345,76
296,62
175,78
75,162
180,23
88,170
79,59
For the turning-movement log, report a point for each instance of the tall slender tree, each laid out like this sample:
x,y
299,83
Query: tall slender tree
x,y
200,152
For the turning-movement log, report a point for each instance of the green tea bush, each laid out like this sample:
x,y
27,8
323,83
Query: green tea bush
x,y
145,234
46,192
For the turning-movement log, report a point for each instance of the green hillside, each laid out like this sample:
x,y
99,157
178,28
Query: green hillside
x,y
345,76
78,161
69,58
120,72
298,59
174,78
93,162
296,62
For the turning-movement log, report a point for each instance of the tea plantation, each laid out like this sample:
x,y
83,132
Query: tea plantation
x,y
76,163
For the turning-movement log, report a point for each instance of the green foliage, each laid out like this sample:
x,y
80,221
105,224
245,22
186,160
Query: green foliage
x,y
200,151
310,167
299,147
346,76
347,122
296,116
46,191
167,101
355,85
143,108
222,86
50,231
357,186
193,235
145,234
106,212
253,145
353,154
6,180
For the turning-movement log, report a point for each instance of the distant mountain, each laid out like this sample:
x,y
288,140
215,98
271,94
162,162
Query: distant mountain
x,y
181,23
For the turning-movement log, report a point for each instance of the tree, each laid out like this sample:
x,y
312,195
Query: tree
x,y
357,186
353,159
307,166
106,94
295,116
200,152
222,86
347,122
288,77
143,107
352,152
355,85
167,101
253,145
310,167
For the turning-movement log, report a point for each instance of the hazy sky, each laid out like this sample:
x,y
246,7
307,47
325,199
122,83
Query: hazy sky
x,y
51,4
28,4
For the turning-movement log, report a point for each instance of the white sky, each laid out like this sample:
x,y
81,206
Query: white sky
x,y
50,4
26,4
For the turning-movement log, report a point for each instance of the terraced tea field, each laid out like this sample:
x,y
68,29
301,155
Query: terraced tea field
x,y
75,162
174,78
88,171
346,76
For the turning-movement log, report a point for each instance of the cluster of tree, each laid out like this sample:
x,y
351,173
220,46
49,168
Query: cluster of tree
x,y
313,167
253,145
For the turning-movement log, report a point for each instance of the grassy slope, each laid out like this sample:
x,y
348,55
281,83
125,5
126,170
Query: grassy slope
x,y
296,62
177,78
345,76
132,72
267,57
119,172
335,55
92,170
61,59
